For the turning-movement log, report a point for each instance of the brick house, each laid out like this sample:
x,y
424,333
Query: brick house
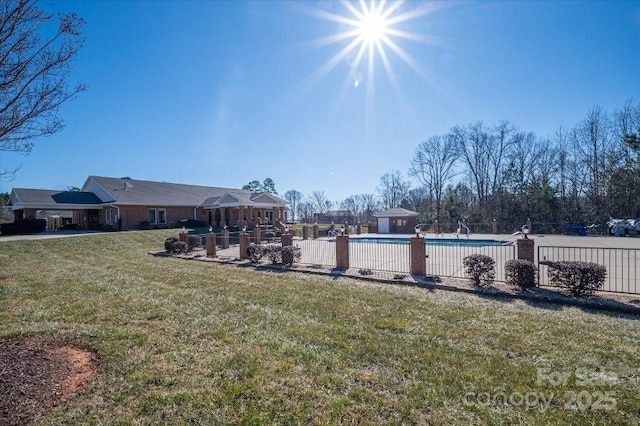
x,y
122,203
396,221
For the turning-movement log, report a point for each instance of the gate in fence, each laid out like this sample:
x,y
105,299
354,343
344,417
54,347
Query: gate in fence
x,y
623,265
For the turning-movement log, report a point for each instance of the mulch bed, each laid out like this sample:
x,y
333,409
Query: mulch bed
x,y
37,376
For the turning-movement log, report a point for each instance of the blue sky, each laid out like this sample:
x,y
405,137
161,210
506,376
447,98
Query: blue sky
x,y
218,92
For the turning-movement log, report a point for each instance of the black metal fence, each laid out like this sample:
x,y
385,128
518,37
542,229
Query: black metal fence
x,y
321,252
623,265
390,257
446,260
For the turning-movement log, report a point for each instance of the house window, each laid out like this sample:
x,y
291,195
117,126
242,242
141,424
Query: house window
x,y
157,216
152,216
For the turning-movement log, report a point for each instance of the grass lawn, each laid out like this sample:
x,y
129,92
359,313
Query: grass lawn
x,y
206,343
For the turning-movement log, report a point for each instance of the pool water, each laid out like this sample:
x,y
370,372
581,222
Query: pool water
x,y
457,242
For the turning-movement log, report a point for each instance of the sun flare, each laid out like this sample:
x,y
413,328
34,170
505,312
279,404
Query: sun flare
x,y
372,27
369,33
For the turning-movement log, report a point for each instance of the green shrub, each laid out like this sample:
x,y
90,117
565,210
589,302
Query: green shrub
x,y
255,252
365,272
290,254
191,223
168,242
480,269
520,273
579,278
193,242
273,253
178,247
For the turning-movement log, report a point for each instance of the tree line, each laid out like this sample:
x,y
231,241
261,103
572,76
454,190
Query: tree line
x,y
476,173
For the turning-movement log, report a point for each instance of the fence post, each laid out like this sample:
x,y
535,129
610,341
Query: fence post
x,y
417,253
244,243
526,249
359,229
494,226
286,239
436,227
529,225
225,239
305,232
257,235
342,252
211,245
316,231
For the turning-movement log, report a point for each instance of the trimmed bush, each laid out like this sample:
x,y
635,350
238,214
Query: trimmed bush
x,y
520,273
194,241
273,253
168,242
290,254
191,223
24,226
178,247
579,278
480,269
255,252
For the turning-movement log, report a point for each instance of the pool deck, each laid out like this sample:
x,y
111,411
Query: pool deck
x,y
540,239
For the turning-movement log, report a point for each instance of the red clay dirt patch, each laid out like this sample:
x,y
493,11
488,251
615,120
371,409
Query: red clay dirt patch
x,y
35,377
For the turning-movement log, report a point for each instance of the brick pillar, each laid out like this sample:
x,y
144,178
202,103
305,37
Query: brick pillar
x,y
182,237
494,226
418,263
211,245
305,232
359,229
256,235
526,249
316,231
436,227
244,243
287,239
342,252
225,239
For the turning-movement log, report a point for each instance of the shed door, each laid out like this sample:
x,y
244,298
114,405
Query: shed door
x,y
383,225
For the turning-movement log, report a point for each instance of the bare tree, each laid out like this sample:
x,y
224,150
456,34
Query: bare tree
x,y
434,165
35,62
393,189
485,153
293,197
305,211
370,204
319,202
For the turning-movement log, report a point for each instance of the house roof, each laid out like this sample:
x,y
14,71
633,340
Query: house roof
x,y
397,212
149,193
243,198
99,191
48,199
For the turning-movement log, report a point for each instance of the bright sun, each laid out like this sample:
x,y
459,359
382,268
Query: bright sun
x,y
369,34
372,27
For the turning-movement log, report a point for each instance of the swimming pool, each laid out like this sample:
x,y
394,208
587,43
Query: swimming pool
x,y
453,242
